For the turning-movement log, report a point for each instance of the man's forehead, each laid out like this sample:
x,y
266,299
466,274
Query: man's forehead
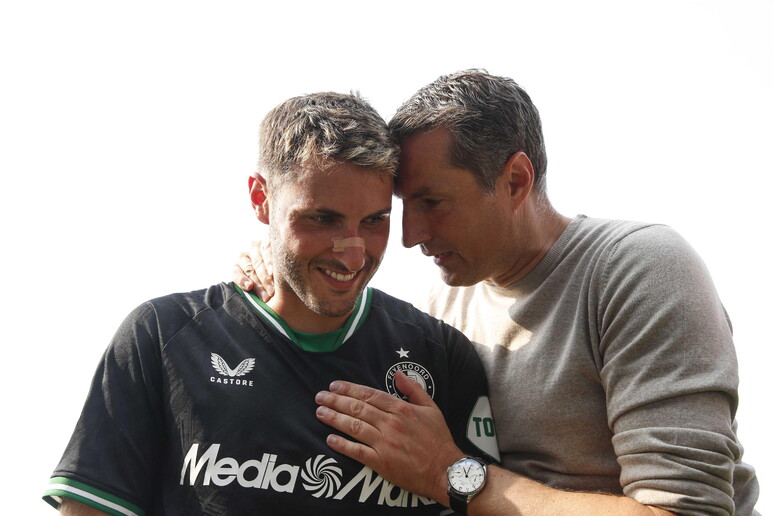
x,y
311,177
420,180
434,142
330,170
425,150
338,209
424,164
339,189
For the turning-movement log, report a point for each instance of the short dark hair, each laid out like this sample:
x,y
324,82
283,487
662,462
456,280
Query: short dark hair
x,y
323,129
490,118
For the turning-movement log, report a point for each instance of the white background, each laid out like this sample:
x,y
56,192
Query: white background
x,y
128,131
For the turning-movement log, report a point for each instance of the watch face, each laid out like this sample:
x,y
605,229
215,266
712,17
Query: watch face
x,y
467,476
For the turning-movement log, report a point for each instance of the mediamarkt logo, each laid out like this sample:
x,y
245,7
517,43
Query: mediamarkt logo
x,y
321,477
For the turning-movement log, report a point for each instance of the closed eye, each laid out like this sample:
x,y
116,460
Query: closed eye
x,y
322,218
376,219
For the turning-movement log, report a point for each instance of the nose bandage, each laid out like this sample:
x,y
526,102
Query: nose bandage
x,y
340,244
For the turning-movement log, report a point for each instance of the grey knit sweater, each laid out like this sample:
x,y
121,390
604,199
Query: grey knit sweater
x,y
612,368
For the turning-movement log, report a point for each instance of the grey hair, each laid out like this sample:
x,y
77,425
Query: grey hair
x,y
490,118
323,129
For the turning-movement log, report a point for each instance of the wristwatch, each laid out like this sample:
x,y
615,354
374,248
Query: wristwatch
x,y
466,479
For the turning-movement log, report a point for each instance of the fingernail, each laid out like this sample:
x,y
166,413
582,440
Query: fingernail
x,y
323,411
321,397
246,284
335,386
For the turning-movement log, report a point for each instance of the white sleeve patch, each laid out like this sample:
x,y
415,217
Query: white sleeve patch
x,y
481,428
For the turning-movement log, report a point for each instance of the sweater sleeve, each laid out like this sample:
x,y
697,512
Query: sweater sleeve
x,y
669,372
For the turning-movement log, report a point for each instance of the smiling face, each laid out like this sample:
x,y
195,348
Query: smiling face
x,y
328,232
450,216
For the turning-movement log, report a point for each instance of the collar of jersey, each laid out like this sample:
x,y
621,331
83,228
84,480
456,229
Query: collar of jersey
x,y
314,341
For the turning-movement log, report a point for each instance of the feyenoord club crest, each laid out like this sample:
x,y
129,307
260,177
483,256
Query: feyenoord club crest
x,y
415,372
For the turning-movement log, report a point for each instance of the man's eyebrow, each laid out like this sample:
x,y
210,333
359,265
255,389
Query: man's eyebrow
x,y
416,195
327,211
383,211
333,213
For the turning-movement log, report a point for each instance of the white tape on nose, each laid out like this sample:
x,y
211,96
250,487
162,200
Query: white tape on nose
x,y
340,244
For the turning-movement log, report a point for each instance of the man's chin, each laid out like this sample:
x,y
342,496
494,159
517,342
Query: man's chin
x,y
333,310
456,278
337,303
336,307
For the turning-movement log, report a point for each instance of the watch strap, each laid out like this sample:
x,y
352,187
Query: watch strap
x,y
459,502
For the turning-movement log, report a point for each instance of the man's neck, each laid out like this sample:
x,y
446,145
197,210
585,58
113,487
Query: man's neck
x,y
537,227
301,318
315,338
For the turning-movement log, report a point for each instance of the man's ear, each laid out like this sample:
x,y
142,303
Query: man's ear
x,y
259,197
520,176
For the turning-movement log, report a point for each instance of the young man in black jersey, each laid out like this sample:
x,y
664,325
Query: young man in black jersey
x,y
204,402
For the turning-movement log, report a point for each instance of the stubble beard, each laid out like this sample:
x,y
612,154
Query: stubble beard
x,y
291,276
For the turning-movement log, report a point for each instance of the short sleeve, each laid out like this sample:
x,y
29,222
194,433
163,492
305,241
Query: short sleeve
x,y
112,458
470,414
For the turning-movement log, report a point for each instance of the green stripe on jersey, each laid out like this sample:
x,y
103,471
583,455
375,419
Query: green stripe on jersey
x,y
316,342
61,487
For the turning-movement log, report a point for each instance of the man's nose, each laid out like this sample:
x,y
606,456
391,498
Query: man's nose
x,y
352,255
414,228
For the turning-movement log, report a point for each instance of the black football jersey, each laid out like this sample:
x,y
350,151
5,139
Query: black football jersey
x,y
204,404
